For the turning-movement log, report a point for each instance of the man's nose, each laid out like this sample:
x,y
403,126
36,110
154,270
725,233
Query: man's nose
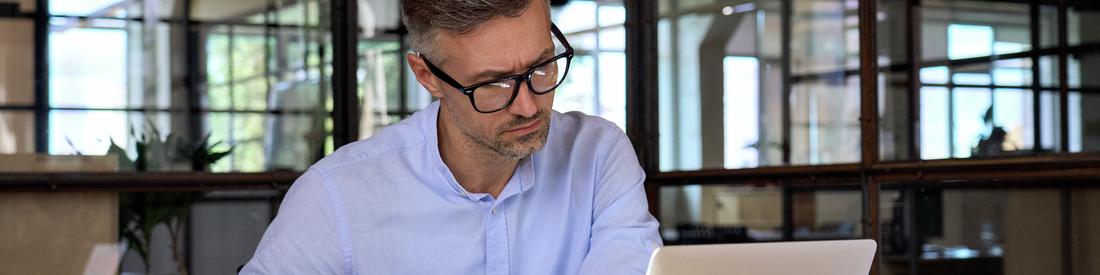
x,y
524,105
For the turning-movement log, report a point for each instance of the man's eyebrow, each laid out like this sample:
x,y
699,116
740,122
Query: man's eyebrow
x,y
494,74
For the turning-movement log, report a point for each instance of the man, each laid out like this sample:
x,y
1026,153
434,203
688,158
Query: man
x,y
487,180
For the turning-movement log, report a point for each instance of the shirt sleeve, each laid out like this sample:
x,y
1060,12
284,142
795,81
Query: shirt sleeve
x,y
624,234
305,237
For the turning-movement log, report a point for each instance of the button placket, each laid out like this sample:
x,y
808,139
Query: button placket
x,y
496,243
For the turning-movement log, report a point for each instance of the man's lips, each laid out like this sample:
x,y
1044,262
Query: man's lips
x,y
525,128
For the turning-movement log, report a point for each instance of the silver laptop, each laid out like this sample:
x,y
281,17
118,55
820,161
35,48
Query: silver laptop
x,y
847,257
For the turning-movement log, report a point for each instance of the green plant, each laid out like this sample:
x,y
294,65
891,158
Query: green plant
x,y
140,213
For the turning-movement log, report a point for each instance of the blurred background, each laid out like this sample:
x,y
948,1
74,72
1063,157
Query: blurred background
x,y
957,133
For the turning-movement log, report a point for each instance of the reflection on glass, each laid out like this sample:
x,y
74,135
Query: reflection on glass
x,y
971,108
962,80
1082,21
976,231
722,84
190,233
823,130
959,29
696,214
827,214
252,73
1084,122
973,122
379,85
225,233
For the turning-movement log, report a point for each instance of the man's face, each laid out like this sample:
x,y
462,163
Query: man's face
x,y
500,47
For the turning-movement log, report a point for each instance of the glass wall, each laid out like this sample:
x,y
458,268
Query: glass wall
x,y
736,92
596,84
987,80
699,214
141,80
704,214
986,231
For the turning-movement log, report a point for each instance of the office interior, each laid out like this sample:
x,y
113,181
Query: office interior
x,y
962,135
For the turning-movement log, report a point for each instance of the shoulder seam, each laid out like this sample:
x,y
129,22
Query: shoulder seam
x,y
341,221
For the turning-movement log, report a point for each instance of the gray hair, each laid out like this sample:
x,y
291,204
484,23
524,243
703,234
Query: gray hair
x,y
425,18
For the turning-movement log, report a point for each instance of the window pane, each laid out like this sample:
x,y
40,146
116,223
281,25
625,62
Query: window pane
x,y
697,214
824,124
88,67
87,132
955,36
224,234
611,13
1084,122
741,122
585,41
827,214
612,87
266,142
213,231
958,29
973,231
379,85
596,82
92,133
582,15
613,39
1082,21
935,137
1081,67
575,93
718,114
970,110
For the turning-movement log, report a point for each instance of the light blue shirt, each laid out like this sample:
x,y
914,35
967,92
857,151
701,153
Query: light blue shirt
x,y
389,205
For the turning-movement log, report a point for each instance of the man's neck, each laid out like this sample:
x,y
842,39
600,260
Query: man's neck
x,y
475,168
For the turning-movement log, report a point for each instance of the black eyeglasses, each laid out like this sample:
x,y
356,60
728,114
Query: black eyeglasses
x,y
495,95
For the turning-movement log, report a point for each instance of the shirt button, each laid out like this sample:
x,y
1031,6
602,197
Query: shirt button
x,y
494,211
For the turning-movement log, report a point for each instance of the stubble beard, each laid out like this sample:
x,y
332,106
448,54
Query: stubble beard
x,y
499,147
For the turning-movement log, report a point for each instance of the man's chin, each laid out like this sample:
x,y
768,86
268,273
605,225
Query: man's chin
x,y
527,145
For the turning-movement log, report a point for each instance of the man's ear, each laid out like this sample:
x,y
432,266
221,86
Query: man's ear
x,y
424,75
